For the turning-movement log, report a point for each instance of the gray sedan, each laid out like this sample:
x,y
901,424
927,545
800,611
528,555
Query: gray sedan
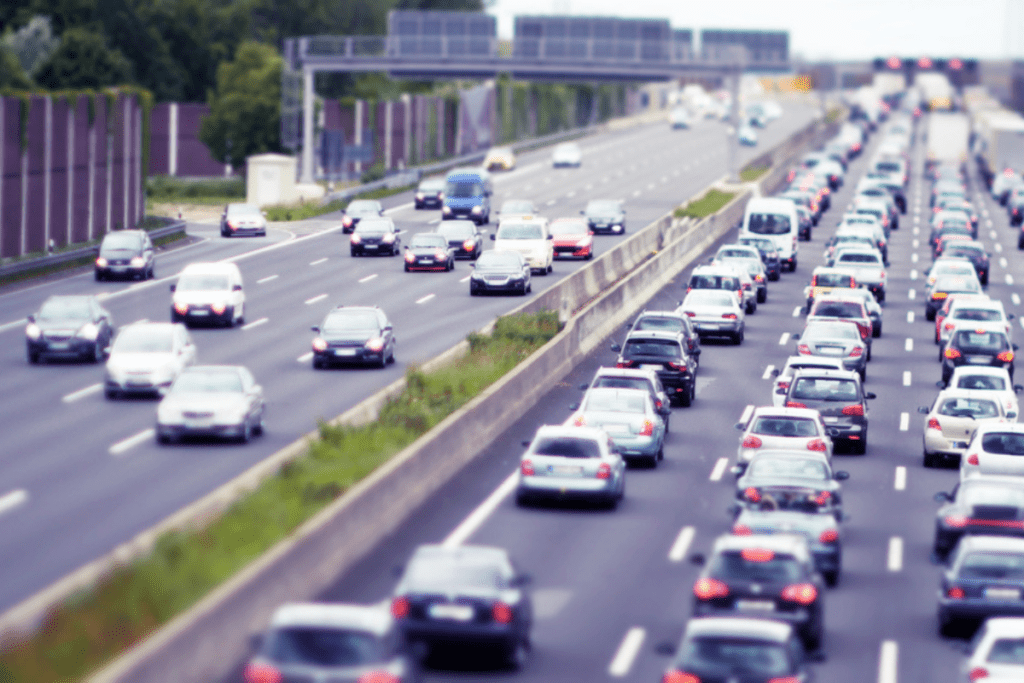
x,y
629,418
571,462
221,401
834,339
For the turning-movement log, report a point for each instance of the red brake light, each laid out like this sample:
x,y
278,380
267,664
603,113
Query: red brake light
x,y
1005,356
752,494
949,326
729,316
757,554
802,593
741,530
752,442
804,349
647,429
526,468
501,613
955,593
829,536
973,459
783,385
262,673
795,404
951,354
822,497
400,607
691,314
604,471
784,679
856,352
579,421
818,445
933,423
706,589
624,364
379,677
854,409
679,677
956,521
977,673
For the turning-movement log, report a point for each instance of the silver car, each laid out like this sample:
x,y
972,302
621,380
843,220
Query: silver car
x,y
634,378
147,357
221,401
243,219
715,312
571,463
835,338
628,416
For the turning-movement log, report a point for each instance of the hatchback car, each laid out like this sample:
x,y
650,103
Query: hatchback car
x,y
571,463
841,400
986,344
994,449
375,236
997,652
354,334
243,219
567,154
946,285
985,578
572,238
665,353
836,338
967,312
634,378
982,505
994,381
715,313
768,576
222,401
337,642
464,237
975,253
795,480
749,259
210,293
866,266
771,428
429,193
125,254
605,215
825,280
670,321
429,251
146,358
470,595
501,271
784,377
837,306
951,420
629,417
357,211
69,326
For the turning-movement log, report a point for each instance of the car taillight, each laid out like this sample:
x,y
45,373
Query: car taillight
x,y
949,326
1005,356
804,349
933,423
759,278
939,295
676,365
707,589
319,344
691,314
951,354
679,677
955,593
856,352
604,471
741,530
624,364
829,536
853,409
817,445
752,442
977,673
955,521
181,309
400,607
784,679
865,330
783,385
752,494
972,459
729,316
262,673
355,239
379,677
501,613
526,468
579,421
410,257
647,428
822,497
795,404
802,593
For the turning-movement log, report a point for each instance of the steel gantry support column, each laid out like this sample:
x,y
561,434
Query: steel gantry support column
x,y
307,124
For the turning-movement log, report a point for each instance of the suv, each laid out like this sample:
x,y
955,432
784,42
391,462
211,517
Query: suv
x,y
605,215
748,259
665,353
354,334
125,253
209,293
986,344
672,321
840,398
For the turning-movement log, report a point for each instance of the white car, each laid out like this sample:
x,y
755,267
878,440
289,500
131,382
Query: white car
x,y
529,237
996,651
715,313
209,293
967,312
867,267
679,118
951,421
243,219
567,154
784,376
147,357
988,378
747,135
791,429
995,449
222,401
949,266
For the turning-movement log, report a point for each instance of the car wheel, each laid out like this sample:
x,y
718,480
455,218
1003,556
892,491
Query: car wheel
x,y
246,435
868,357
259,429
863,372
876,331
97,352
687,398
33,357
929,314
522,290
317,363
473,291
750,308
99,276
551,269
652,460
529,287
832,578
353,252
383,362
407,267
110,394
762,296
860,447
792,265
163,439
928,460
523,499
737,337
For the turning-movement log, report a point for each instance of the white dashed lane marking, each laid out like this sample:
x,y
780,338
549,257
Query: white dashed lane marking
x,y
369,277
318,261
797,311
719,469
11,500
267,279
913,258
910,316
906,378
82,393
1015,298
125,445
254,323
900,479
913,274
767,372
1009,279
624,657
894,562
909,344
904,421
911,294
784,339
313,300
425,299
682,543
888,660
305,358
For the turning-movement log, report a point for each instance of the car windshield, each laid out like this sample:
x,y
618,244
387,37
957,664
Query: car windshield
x,y
324,646
859,258
838,309
351,321
243,210
463,190
957,284
121,241
569,227
373,226
736,254
968,407
1003,443
202,283
803,468
614,402
208,381
709,297
65,308
567,447
602,207
734,657
822,389
661,348
363,206
144,339
989,565
785,426
520,231
446,573
517,206
1007,651
456,229
765,566
498,260
981,342
768,224
652,322
423,241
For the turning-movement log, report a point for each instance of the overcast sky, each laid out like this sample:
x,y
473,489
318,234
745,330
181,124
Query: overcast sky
x,y
832,29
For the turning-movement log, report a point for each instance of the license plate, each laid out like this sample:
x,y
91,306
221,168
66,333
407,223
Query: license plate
x,y
566,470
426,260
1002,593
979,360
370,246
830,420
615,429
756,605
649,366
138,383
831,350
199,313
344,352
60,346
708,326
453,612
197,424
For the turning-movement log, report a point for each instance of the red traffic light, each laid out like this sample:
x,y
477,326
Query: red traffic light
x,y
956,64
924,63
894,63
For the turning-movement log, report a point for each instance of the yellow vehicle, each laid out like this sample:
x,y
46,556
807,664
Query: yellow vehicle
x,y
824,280
500,158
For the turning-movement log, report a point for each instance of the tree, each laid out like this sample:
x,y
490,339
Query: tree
x,y
32,44
11,73
84,60
245,109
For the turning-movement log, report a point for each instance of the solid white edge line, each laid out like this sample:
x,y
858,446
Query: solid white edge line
x,y
313,300
682,544
900,479
318,261
784,339
767,372
11,500
888,659
369,277
254,323
904,421
267,279
306,357
425,299
466,279
131,442
624,657
82,393
894,560
477,517
906,378
14,323
719,470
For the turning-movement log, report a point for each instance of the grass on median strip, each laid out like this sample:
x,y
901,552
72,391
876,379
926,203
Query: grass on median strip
x,y
752,173
132,602
709,203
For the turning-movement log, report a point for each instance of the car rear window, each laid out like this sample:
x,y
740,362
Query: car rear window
x,y
660,348
656,323
567,447
785,426
968,407
977,314
833,280
982,382
780,568
729,656
614,402
858,258
322,646
714,282
985,565
839,309
768,224
822,389
1003,443
1007,651
972,340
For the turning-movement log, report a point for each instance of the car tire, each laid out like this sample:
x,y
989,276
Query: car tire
x,y
860,447
246,435
831,578
737,338
353,253
97,353
929,314
928,460
259,429
652,460
523,499
687,398
473,291
110,394
762,296
863,372
876,332
522,290
317,363
33,357
868,357
792,265
407,267
162,439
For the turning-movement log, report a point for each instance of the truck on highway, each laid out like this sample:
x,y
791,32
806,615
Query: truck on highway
x,y
889,83
998,142
948,138
937,91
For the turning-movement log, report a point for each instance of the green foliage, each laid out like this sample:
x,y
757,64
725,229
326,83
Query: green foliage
x,y
83,60
752,173
12,76
303,211
709,203
245,109
132,602
170,189
375,172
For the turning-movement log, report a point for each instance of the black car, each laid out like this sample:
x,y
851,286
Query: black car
x,y
464,237
1015,211
357,211
985,579
989,505
467,595
769,255
987,345
840,398
429,251
127,254
354,334
501,271
430,193
670,321
770,575
975,253
375,236
665,352
71,326
606,215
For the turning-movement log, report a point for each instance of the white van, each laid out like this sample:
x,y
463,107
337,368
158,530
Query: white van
x,y
530,237
777,220
209,293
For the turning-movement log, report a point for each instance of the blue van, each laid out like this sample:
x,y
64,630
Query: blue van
x,y
467,194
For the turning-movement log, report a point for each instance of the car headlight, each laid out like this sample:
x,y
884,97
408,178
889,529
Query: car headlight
x,y
376,344
476,276
32,331
101,262
420,195
319,344
388,238
138,262
477,209
89,331
218,308
446,209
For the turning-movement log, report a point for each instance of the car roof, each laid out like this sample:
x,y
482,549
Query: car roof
x,y
782,411
818,360
780,543
768,204
371,618
654,334
646,373
217,267
990,543
745,627
572,432
1004,626
715,269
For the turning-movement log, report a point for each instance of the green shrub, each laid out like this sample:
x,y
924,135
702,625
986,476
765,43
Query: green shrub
x,y
709,203
170,189
752,173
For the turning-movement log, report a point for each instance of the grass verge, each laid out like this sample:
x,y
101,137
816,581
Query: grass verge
x,y
313,209
207,190
134,601
752,173
709,203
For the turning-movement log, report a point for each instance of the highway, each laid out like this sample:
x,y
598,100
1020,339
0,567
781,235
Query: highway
x,y
80,474
611,585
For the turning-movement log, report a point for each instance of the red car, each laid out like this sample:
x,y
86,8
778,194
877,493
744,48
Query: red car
x,y
572,238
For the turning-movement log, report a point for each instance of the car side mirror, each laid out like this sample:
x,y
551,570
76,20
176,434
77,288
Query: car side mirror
x,y
1017,388
494,237
924,410
173,287
472,265
521,580
526,444
31,318
942,497
315,328
780,391
574,406
582,212
665,649
776,372
794,336
841,475
584,386
1010,316
551,237
941,384
236,288
1015,346
698,559
870,395
740,426
616,348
